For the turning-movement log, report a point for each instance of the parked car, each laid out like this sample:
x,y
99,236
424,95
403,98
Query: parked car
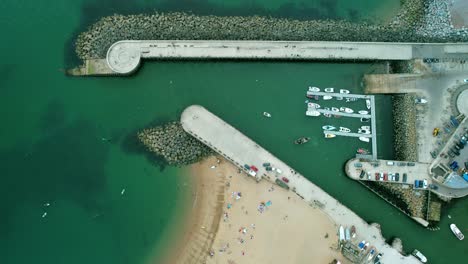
x,y
286,180
377,176
385,177
405,177
424,184
411,163
433,187
397,176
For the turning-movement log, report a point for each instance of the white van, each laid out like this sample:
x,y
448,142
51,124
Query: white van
x,y
390,163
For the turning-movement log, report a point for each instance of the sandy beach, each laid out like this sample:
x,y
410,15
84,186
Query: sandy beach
x,y
226,220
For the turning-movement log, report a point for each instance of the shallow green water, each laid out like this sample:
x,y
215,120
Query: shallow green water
x,y
52,148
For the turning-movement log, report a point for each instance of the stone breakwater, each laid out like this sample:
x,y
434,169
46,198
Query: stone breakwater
x,y
404,120
175,145
410,25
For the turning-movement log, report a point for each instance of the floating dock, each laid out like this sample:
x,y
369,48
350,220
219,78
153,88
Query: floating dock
x,y
373,135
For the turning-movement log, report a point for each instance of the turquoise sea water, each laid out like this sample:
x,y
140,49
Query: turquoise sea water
x,y
68,141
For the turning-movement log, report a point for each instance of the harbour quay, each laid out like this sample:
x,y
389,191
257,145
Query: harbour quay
x,y
241,151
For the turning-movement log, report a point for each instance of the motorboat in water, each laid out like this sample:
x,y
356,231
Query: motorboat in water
x,y
350,99
329,90
344,91
368,103
363,119
327,135
419,256
345,129
266,114
342,233
334,109
353,231
364,139
328,127
457,232
365,127
363,131
311,95
313,105
314,89
312,113
346,110
347,234
327,97
301,140
363,112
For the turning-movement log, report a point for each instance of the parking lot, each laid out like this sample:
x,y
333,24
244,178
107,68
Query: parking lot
x,y
388,171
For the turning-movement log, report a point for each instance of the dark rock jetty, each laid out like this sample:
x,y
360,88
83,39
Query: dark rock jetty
x,y
404,120
175,145
417,21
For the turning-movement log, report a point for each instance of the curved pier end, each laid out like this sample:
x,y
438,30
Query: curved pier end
x,y
124,57
241,150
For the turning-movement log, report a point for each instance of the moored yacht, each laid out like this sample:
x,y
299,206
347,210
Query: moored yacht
x,y
364,139
313,105
327,97
419,256
334,109
314,89
327,114
346,110
266,114
363,112
327,135
368,103
345,130
344,91
312,113
329,90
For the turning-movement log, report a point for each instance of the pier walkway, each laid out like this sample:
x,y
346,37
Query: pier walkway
x,y
240,150
123,57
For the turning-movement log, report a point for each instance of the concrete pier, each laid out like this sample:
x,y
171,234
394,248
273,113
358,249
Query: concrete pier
x,y
240,150
124,57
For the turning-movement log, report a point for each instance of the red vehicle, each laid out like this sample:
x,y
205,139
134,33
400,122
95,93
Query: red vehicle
x,y
254,168
377,176
286,180
385,177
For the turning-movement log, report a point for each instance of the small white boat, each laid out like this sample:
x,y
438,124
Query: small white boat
x,y
419,256
339,98
122,192
346,110
314,89
365,127
363,119
364,139
342,233
344,91
266,114
329,135
345,130
312,113
350,99
334,109
457,232
327,97
328,127
329,90
363,112
363,131
313,105
44,214
420,101
368,103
